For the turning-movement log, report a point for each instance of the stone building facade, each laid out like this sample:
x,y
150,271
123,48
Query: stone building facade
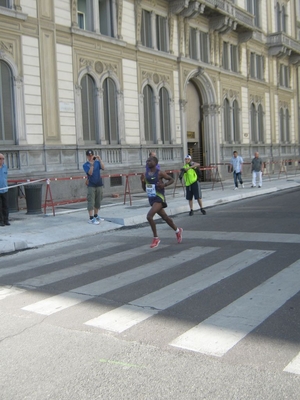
x,y
128,76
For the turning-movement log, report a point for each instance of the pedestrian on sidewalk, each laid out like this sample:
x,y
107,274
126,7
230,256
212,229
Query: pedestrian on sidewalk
x,y
257,167
94,186
153,184
237,167
4,211
193,187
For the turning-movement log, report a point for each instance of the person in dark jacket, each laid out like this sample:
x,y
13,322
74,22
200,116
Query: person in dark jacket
x,y
257,167
94,185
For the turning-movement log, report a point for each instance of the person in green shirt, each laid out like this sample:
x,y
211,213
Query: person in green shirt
x,y
193,188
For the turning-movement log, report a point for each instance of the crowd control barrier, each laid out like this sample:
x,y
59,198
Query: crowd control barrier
x,y
35,204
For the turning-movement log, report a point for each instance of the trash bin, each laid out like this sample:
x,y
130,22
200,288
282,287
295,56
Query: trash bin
x,y
33,194
13,194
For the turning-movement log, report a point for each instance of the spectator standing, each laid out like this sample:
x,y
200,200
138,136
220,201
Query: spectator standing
x,y
153,183
257,167
94,185
237,167
4,211
193,188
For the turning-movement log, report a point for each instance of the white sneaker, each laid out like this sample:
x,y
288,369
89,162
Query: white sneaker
x,y
99,218
94,221
235,188
243,186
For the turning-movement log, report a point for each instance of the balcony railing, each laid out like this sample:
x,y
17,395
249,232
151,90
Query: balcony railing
x,y
214,8
280,40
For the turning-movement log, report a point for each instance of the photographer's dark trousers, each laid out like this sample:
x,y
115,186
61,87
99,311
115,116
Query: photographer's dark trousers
x,y
237,176
4,207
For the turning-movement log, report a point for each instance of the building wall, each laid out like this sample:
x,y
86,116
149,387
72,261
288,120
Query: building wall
x,y
49,55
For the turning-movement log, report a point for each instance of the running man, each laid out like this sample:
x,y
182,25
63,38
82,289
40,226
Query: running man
x,y
153,184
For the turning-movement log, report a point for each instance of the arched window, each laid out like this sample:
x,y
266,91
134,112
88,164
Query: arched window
x,y
253,124
110,111
149,114
227,124
281,124
7,112
88,107
260,124
236,121
287,125
164,115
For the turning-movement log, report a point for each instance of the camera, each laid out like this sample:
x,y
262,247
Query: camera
x,y
94,158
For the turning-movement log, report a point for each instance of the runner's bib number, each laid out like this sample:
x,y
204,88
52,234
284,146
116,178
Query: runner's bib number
x,y
150,189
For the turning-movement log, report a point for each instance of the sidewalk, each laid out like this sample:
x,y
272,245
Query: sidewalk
x,y
70,221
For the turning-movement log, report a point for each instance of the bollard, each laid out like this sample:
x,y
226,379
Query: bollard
x,y
13,194
33,194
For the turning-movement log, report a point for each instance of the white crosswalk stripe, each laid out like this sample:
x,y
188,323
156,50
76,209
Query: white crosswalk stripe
x,y
223,330
6,291
94,265
294,366
136,311
55,258
256,237
67,299
215,336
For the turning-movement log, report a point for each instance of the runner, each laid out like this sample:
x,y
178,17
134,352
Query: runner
x,y
153,184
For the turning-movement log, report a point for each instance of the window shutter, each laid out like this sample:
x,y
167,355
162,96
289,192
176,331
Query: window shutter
x,y
88,108
287,125
260,124
252,65
105,17
161,33
282,136
225,56
193,43
236,121
227,128
149,124
7,115
164,109
146,29
110,111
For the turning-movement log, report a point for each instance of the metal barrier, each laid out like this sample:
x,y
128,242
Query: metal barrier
x,y
213,169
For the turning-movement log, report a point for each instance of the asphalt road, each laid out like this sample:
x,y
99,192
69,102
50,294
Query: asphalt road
x,y
215,317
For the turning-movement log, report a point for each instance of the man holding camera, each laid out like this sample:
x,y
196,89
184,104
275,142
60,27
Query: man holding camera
x,y
193,188
94,185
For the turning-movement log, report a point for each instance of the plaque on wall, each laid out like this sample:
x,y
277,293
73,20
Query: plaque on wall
x,y
190,135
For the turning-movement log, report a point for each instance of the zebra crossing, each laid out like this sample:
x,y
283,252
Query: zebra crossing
x,y
214,336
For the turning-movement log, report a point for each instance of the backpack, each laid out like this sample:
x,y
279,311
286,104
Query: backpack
x,y
199,175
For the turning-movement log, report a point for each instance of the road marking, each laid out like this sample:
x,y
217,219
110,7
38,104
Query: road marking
x,y
55,258
67,299
124,317
294,366
76,270
6,291
223,330
241,236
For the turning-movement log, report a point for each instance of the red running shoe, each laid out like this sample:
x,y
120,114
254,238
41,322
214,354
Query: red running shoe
x,y
179,235
155,243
